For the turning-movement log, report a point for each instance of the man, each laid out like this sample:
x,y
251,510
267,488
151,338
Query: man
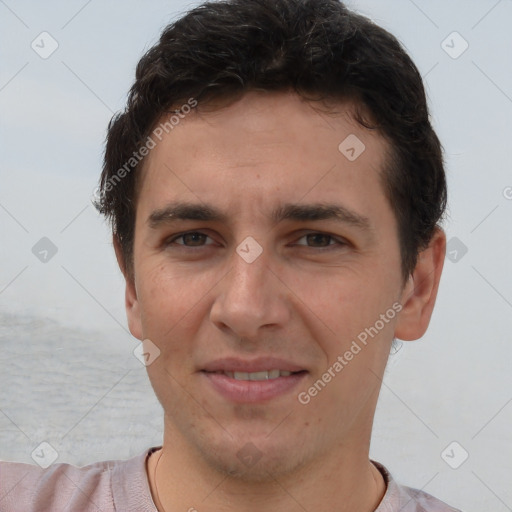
x,y
275,188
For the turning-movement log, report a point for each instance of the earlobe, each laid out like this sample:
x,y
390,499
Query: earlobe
x,y
131,300
420,292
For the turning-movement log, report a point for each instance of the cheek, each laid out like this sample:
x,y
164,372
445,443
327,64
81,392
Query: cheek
x,y
344,301
356,310
169,299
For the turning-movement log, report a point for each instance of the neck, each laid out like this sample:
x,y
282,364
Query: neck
x,y
343,480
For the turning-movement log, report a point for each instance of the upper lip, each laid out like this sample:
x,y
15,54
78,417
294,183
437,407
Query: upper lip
x,y
233,364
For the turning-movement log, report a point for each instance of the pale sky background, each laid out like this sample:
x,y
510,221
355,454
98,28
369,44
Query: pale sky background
x,y
453,385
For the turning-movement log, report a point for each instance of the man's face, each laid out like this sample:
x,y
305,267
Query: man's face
x,y
212,303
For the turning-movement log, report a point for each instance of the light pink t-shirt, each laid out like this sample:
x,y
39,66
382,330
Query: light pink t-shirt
x,y
122,486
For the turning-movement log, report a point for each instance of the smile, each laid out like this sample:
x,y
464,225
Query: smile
x,y
263,375
252,387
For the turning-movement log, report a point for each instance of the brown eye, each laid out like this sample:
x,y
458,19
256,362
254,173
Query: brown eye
x,y
189,239
320,240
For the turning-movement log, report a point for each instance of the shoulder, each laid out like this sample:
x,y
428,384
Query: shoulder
x,y
424,502
406,499
67,487
29,487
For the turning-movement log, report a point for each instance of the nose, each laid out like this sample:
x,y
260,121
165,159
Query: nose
x,y
251,299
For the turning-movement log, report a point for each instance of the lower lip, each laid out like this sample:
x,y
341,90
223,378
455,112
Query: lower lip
x,y
251,391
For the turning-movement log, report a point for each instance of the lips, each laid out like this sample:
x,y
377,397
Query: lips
x,y
252,381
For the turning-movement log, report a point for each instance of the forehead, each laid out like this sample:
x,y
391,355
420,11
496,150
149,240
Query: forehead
x,y
263,146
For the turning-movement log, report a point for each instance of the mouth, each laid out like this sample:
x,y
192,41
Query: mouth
x,y
239,385
263,375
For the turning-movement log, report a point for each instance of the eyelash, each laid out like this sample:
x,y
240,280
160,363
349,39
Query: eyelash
x,y
337,241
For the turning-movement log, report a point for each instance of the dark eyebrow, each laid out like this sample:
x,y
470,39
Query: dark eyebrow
x,y
320,211
185,211
296,212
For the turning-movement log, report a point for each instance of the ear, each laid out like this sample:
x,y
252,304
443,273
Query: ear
x,y
420,292
130,296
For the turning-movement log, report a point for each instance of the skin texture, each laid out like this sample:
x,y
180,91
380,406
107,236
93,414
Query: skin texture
x,y
304,299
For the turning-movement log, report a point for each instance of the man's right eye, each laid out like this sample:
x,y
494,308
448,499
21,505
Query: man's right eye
x,y
194,238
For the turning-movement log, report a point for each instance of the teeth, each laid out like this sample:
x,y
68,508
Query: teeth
x,y
273,374
264,375
257,376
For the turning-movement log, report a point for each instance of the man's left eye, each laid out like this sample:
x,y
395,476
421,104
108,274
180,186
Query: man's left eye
x,y
321,238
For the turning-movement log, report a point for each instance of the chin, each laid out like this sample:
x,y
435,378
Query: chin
x,y
254,462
